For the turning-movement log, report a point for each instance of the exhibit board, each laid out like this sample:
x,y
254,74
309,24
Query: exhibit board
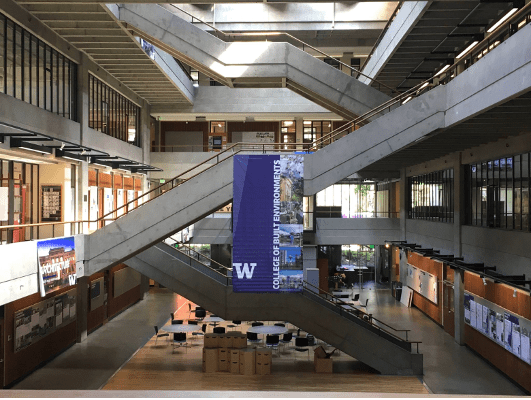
x,y
510,331
422,282
41,319
268,223
57,264
96,294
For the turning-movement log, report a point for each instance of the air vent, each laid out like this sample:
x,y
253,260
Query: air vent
x,y
200,118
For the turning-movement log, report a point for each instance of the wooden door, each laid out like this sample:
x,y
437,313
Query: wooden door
x,y
448,309
322,265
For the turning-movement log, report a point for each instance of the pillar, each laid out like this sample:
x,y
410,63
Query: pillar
x,y
459,204
144,286
299,129
403,204
459,306
345,58
82,308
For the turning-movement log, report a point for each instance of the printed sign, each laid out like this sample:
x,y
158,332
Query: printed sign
x,y
268,223
57,264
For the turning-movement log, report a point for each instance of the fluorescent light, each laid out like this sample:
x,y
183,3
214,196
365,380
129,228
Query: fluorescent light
x,y
501,21
35,150
467,49
442,70
307,122
406,100
62,146
84,152
70,158
101,165
287,123
423,86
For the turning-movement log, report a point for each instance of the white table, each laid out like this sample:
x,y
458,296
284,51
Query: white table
x,y
268,329
214,320
180,328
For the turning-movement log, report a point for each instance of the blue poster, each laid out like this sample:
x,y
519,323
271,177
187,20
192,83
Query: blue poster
x,y
268,223
57,264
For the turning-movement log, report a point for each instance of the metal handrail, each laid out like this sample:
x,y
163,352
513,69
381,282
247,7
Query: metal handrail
x,y
279,33
339,302
181,244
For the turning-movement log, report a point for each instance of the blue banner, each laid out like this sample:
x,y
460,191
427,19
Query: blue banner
x,y
57,264
267,223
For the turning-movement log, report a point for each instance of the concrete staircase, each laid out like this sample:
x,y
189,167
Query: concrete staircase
x,y
213,290
251,64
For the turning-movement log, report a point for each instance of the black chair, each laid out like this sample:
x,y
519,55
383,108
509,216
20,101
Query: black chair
x,y
286,339
302,345
180,340
272,341
253,337
257,324
311,340
160,334
219,329
190,322
237,322
356,297
203,329
177,322
280,324
200,313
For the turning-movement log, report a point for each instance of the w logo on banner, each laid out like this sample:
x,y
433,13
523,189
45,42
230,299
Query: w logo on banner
x,y
240,272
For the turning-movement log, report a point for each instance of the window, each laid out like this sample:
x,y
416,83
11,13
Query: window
x,y
431,196
34,72
217,127
357,200
498,193
111,113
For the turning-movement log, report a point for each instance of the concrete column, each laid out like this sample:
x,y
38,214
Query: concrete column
x,y
82,196
459,306
403,204
83,96
144,286
82,308
459,204
145,131
299,129
345,58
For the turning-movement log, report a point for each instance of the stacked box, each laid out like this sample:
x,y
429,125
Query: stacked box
x,y
247,362
212,340
239,341
223,360
323,364
263,361
225,341
234,361
210,360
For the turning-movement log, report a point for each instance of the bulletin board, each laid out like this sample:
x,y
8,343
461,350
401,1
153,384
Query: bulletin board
x,y
41,319
422,282
51,203
96,294
507,329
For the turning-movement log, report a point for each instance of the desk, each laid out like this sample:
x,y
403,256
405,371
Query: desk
x,y
180,328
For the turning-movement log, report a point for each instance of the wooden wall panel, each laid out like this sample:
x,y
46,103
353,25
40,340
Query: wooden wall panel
x,y
92,177
128,183
183,126
104,180
505,361
117,304
118,181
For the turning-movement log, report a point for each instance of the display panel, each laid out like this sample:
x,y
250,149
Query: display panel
x,y
57,264
422,282
268,223
508,330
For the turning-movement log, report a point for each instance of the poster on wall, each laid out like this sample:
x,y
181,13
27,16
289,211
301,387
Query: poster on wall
x,y
525,345
51,203
468,300
422,282
57,264
43,318
268,223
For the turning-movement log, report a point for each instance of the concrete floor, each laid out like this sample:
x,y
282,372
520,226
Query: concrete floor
x,y
448,367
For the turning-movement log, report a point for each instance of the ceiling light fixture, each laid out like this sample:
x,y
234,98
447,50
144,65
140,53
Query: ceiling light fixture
x,y
443,70
84,152
62,146
472,45
406,100
501,21
425,85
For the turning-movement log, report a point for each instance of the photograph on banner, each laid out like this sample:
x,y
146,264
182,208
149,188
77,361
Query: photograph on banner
x,y
290,258
291,280
291,189
291,235
57,264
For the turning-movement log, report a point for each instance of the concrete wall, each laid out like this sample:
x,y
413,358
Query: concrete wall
x,y
430,234
338,231
176,163
18,271
212,231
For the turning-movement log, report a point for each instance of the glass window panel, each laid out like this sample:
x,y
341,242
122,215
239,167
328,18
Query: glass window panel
x,y
27,69
19,65
34,76
2,52
42,75
10,63
48,79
